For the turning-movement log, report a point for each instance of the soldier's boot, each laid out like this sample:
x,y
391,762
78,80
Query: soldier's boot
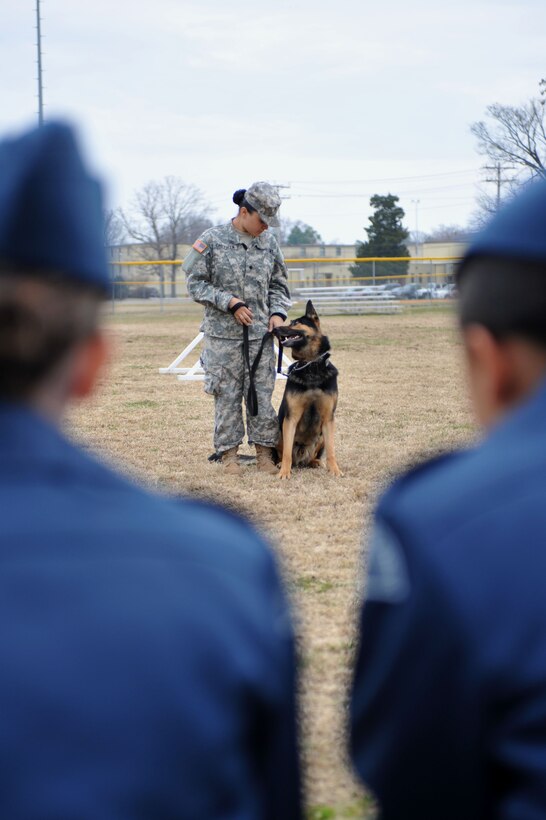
x,y
230,462
264,460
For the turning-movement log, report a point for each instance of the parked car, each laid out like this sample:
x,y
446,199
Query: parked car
x,y
428,292
446,291
408,291
379,291
120,289
436,291
143,292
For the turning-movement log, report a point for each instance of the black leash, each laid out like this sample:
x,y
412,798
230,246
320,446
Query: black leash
x,y
252,396
279,358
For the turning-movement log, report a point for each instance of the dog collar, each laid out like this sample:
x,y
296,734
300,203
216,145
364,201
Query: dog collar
x,y
300,366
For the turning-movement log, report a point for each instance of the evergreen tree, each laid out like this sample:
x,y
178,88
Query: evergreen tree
x,y
302,234
386,237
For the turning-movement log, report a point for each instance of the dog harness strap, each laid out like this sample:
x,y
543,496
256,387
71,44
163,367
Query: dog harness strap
x,y
252,396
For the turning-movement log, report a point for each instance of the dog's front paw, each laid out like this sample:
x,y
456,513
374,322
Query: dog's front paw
x,y
334,469
285,472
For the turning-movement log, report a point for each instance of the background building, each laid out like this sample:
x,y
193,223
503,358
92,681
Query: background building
x,y
317,265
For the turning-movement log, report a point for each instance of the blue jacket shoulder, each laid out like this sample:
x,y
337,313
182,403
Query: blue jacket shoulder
x,y
431,493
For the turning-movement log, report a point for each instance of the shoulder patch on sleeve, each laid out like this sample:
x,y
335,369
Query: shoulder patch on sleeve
x,y
388,578
199,246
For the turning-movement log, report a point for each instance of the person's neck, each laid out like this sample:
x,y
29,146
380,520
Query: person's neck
x,y
238,227
528,374
51,399
49,406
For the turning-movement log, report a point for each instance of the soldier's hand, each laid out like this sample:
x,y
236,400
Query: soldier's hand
x,y
275,321
243,314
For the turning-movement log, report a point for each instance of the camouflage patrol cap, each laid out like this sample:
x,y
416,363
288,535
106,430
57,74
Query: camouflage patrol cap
x,y
266,200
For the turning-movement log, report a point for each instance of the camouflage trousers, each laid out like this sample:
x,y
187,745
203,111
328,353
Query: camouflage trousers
x,y
226,378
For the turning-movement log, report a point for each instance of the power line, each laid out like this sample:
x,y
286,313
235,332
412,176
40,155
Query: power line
x,y
459,203
379,179
39,60
410,192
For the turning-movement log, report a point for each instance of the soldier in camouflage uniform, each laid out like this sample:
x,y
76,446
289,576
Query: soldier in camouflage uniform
x,y
238,273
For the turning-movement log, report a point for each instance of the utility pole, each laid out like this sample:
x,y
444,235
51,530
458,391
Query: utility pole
x,y
279,187
39,50
416,203
497,179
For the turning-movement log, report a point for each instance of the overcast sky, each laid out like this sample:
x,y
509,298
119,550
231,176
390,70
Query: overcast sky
x,y
337,100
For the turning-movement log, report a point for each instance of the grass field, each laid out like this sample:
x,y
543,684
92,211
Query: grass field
x,y
402,396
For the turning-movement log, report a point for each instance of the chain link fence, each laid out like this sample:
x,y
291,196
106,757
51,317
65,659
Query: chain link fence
x,y
343,282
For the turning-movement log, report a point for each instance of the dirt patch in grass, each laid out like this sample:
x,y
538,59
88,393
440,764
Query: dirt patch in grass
x,y
402,396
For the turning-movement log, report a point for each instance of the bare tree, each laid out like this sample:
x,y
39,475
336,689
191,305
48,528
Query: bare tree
x,y
163,216
488,205
114,236
417,237
114,232
514,142
516,136
283,230
447,233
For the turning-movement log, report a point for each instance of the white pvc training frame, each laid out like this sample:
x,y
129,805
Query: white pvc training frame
x,y
195,373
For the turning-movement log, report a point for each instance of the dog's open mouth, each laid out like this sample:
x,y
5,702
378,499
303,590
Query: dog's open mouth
x,y
289,337
291,340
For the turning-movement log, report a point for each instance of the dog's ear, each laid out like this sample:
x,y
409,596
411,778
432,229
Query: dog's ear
x,y
311,313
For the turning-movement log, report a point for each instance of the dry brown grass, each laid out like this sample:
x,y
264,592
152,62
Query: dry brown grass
x,y
401,396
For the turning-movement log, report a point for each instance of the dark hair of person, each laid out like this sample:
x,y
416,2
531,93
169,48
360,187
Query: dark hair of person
x,y
41,319
239,199
507,296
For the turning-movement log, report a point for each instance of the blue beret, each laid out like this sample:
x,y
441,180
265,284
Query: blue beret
x,y
517,231
51,213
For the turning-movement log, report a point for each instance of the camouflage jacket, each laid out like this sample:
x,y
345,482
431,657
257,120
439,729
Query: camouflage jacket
x,y
219,266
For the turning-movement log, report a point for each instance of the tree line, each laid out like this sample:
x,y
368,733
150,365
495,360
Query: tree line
x,y
167,214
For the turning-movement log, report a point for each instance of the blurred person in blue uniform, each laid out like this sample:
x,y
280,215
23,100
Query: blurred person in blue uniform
x,y
448,708
145,645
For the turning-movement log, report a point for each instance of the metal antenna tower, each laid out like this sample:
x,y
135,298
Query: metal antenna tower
x,y
39,51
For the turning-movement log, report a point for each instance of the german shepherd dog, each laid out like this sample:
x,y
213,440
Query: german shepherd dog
x,y
306,414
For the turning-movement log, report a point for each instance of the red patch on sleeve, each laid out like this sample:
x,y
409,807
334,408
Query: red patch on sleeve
x,y
199,246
